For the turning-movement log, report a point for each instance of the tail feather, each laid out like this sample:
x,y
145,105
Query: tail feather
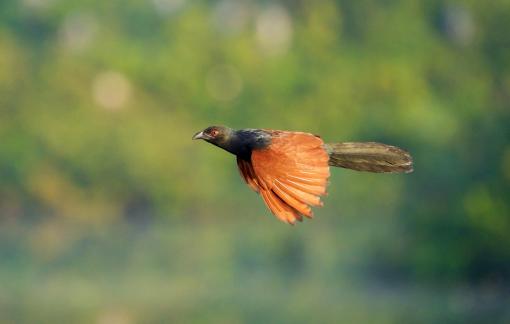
x,y
369,156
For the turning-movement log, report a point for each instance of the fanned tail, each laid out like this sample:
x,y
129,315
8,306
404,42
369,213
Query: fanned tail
x,y
369,156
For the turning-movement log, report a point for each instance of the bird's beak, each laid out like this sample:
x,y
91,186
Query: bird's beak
x,y
199,135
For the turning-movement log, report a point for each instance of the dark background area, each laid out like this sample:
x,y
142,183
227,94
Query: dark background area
x,y
109,213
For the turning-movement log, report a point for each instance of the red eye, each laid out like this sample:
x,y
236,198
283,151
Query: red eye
x,y
214,132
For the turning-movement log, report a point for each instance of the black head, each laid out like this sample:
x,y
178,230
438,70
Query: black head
x,y
217,135
238,142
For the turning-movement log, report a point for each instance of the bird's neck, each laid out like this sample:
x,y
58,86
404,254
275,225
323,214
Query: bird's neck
x,y
242,142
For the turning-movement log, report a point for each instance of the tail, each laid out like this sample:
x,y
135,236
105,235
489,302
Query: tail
x,y
369,156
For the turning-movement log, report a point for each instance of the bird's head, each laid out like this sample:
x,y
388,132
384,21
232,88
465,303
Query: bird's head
x,y
217,135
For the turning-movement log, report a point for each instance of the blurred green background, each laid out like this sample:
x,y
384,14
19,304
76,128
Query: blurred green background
x,y
110,214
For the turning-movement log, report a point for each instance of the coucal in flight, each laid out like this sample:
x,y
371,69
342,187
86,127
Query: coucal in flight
x,y
290,170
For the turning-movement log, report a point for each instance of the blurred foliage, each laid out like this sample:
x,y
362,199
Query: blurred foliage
x,y
98,103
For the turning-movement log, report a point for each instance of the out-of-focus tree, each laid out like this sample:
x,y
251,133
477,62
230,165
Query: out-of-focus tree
x,y
98,101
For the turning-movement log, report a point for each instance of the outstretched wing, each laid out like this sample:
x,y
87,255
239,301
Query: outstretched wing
x,y
290,174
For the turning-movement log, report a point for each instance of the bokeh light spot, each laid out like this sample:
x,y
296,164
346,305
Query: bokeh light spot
x,y
115,316
78,31
231,17
37,4
274,31
224,83
111,90
459,24
167,7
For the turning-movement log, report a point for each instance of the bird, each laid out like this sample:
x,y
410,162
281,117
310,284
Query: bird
x,y
290,170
